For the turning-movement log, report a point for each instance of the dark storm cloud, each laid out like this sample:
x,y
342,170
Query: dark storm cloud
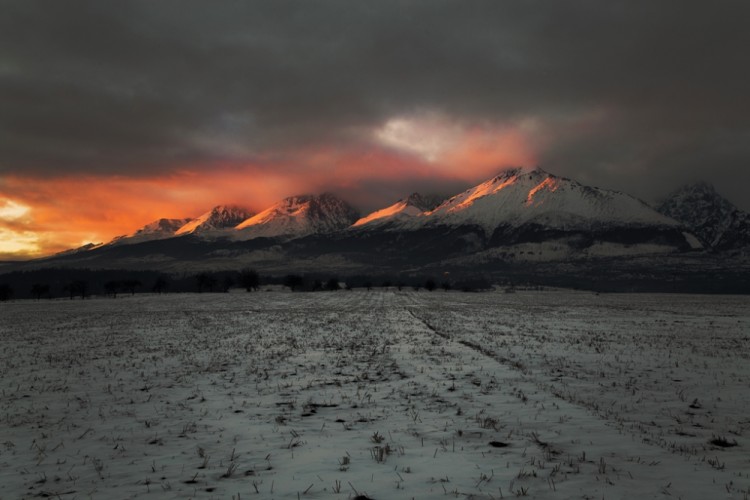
x,y
617,90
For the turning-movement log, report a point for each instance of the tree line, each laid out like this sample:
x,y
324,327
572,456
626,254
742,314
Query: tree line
x,y
83,283
315,283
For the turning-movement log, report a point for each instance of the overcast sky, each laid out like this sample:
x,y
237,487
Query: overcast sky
x,y
121,111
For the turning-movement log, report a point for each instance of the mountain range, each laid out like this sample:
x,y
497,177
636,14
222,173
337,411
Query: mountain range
x,y
522,215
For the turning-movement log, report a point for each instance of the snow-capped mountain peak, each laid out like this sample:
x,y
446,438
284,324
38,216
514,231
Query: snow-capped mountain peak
x,y
162,226
83,248
299,216
531,195
157,230
424,203
411,206
218,218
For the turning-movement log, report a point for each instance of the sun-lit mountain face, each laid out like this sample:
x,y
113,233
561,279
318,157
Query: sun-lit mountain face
x,y
550,184
219,218
467,199
412,206
299,216
156,230
531,195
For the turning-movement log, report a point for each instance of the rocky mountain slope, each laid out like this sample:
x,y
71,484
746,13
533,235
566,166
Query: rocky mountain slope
x,y
715,220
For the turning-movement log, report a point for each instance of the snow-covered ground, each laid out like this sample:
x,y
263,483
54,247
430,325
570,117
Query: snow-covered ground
x,y
545,394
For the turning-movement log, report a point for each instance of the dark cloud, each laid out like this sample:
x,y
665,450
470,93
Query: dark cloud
x,y
632,95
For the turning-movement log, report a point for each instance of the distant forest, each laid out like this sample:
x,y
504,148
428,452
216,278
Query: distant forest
x,y
599,276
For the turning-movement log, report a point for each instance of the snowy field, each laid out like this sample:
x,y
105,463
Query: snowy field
x,y
376,394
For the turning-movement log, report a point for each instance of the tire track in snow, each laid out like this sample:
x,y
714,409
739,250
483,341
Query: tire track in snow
x,y
473,346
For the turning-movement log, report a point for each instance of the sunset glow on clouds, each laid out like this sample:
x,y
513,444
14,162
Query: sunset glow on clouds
x,y
72,211
44,215
113,114
452,146
14,239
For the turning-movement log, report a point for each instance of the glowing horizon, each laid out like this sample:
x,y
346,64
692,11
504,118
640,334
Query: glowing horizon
x,y
46,215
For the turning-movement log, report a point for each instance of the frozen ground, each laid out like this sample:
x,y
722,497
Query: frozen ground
x,y
385,394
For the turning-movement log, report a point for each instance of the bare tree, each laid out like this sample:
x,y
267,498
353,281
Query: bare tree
x,y
160,285
39,289
76,288
111,288
333,284
227,283
249,279
206,281
131,285
293,281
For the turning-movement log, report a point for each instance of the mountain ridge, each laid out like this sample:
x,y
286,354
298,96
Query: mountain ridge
x,y
519,215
